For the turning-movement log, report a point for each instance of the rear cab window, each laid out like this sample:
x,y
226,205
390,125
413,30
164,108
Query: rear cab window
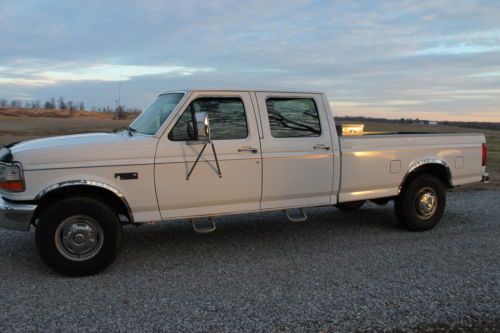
x,y
293,117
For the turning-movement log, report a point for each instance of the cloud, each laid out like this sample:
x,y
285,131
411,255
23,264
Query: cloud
x,y
31,76
404,58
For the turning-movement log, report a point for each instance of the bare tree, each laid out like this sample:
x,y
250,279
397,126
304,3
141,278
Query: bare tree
x,y
71,108
3,102
62,104
35,104
81,106
119,113
15,103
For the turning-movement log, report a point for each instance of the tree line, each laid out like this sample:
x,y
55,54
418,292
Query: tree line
x,y
51,104
69,106
415,121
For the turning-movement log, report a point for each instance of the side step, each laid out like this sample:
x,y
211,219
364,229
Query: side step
x,y
206,229
300,218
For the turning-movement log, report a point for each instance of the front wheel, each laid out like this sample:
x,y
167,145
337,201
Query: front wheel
x,y
78,236
421,203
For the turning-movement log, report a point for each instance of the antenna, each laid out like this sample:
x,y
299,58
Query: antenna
x,y
120,89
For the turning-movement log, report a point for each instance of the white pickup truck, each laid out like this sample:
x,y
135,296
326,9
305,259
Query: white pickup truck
x,y
198,154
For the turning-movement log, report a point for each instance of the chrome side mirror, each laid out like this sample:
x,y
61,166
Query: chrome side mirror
x,y
202,133
203,127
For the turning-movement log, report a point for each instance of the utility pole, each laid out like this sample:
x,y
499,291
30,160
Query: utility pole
x,y
118,109
120,89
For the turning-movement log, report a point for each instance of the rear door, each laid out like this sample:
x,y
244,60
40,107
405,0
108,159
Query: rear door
x,y
236,140
296,148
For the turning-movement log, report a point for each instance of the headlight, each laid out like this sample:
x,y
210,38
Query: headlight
x,y
11,177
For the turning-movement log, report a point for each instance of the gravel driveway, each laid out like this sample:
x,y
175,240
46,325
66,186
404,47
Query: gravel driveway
x,y
336,272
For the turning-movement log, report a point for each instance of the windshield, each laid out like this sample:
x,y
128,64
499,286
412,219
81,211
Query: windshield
x,y
151,119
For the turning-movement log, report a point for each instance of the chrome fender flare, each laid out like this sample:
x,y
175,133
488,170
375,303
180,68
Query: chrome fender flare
x,y
90,183
415,165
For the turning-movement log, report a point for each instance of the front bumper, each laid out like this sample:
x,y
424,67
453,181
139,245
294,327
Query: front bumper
x,y
486,178
15,216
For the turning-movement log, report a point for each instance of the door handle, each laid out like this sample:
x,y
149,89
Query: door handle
x,y
248,149
321,146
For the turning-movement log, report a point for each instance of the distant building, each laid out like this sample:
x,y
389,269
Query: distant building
x,y
433,122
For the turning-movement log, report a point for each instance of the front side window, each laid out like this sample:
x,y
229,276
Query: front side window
x,y
151,119
226,115
293,117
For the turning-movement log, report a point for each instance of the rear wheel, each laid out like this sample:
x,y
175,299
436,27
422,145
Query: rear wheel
x,y
421,203
78,236
350,206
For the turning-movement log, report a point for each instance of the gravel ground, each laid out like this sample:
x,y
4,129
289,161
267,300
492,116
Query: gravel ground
x,y
336,272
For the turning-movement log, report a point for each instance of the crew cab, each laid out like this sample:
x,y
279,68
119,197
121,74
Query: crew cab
x,y
199,154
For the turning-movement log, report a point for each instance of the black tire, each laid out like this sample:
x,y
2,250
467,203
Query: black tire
x,y
421,203
350,206
72,226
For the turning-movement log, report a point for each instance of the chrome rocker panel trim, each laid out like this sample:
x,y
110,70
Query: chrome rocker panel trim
x,y
16,216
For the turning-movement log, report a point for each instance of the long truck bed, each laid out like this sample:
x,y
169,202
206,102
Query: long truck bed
x,y
375,166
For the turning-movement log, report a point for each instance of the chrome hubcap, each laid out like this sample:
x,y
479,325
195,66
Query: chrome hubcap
x,y
426,203
79,238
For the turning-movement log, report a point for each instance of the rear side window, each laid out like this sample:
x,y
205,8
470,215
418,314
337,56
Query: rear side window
x,y
226,115
293,117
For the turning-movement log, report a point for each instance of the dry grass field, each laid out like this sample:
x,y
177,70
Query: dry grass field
x,y
25,124
47,113
18,125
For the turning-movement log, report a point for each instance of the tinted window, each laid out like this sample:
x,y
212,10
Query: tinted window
x,y
293,117
226,115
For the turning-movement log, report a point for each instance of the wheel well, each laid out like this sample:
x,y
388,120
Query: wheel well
x,y
107,196
441,171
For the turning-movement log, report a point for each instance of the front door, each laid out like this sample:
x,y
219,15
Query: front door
x,y
236,140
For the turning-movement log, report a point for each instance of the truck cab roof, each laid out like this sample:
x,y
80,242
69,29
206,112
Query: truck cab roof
x,y
244,89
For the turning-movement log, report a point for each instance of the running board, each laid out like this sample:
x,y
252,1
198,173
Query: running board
x,y
301,218
203,229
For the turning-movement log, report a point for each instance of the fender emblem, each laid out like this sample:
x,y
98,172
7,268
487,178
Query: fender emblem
x,y
127,175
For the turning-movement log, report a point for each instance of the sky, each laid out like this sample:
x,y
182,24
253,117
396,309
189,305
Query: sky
x,y
437,60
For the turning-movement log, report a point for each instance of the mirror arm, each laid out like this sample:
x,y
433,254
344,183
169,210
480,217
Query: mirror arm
x,y
201,122
196,162
216,160
198,158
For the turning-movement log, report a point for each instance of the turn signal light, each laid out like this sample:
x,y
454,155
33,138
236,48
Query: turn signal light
x,y
13,186
11,177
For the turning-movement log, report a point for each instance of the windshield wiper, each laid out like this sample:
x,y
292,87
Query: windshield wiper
x,y
131,130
